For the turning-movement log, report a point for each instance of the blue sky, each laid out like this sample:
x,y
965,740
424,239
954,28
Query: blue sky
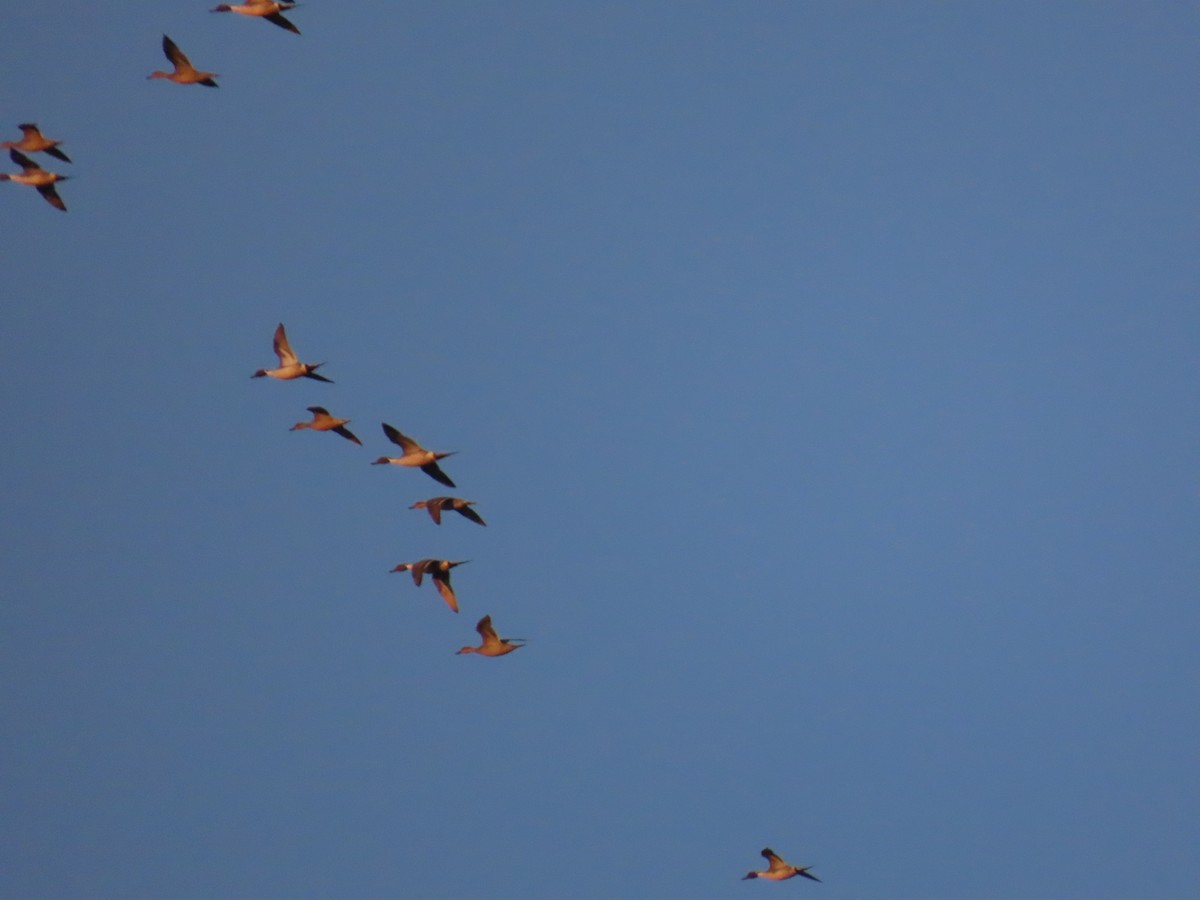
x,y
826,374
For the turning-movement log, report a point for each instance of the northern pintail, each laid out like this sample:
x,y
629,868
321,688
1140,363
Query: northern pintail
x,y
415,455
439,571
778,870
185,72
34,141
263,9
493,644
435,505
35,176
323,421
289,365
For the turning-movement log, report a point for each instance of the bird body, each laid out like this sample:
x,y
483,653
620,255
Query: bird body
x,y
289,364
185,72
439,571
33,141
416,456
35,176
778,870
323,421
263,9
435,506
493,644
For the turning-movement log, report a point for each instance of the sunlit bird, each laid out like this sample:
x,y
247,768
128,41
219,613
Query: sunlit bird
x,y
778,870
35,142
415,455
185,72
263,9
35,176
289,365
493,645
435,506
439,571
323,421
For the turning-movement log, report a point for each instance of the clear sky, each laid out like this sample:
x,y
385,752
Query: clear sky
x,y
826,373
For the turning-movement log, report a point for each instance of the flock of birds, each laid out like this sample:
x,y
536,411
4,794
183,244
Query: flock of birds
x,y
290,367
413,456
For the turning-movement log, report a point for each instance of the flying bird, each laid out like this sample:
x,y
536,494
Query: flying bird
x,y
439,571
35,176
264,9
436,505
34,141
289,365
778,870
323,421
492,645
185,72
415,455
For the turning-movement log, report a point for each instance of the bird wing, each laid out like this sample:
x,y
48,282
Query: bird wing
x,y
487,632
175,55
435,509
51,195
419,569
804,872
282,348
472,515
276,19
347,434
434,471
29,130
318,412
23,161
773,860
442,580
406,443
57,154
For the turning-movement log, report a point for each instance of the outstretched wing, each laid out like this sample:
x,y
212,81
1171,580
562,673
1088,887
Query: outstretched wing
x,y
175,55
51,195
282,348
276,19
472,515
487,632
23,161
347,434
434,471
442,580
406,443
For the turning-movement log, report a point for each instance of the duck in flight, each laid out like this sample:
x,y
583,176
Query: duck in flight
x,y
778,870
35,176
263,9
439,571
493,644
289,365
436,505
185,72
323,421
415,455
33,141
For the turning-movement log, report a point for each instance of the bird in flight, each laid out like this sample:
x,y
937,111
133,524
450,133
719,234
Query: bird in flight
x,y
289,365
493,644
185,72
415,455
439,571
35,176
778,870
435,506
323,421
33,141
263,9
